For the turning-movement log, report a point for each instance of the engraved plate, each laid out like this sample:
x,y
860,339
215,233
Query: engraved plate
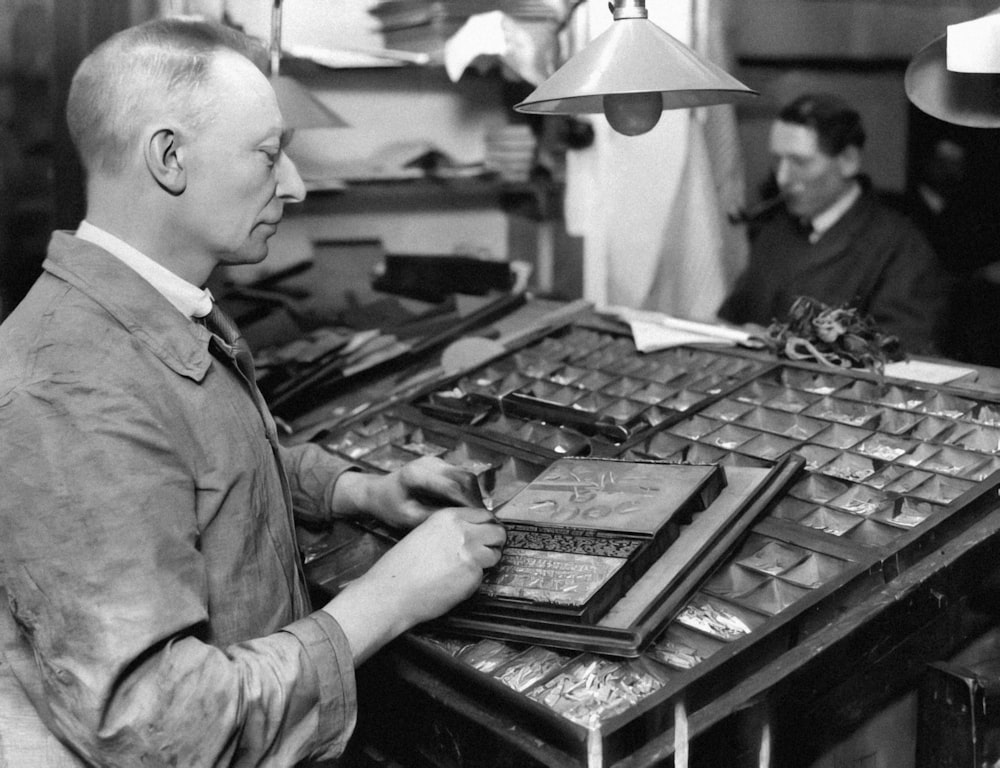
x,y
557,578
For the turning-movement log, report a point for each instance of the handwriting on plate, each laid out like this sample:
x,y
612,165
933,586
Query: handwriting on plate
x,y
582,495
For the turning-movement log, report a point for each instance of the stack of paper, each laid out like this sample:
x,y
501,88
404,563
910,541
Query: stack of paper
x,y
510,152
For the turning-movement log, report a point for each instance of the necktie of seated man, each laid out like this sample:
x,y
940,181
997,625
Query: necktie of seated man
x,y
223,326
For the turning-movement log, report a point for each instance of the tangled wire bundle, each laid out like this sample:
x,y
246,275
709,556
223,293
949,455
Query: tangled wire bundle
x,y
838,337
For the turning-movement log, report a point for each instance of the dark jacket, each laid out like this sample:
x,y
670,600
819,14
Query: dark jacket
x,y
873,259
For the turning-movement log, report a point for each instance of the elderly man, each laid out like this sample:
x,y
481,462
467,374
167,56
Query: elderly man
x,y
833,240
155,610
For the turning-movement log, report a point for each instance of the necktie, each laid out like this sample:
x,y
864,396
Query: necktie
x,y
223,326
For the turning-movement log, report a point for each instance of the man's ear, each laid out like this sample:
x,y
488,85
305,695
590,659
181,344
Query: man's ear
x,y
850,162
164,160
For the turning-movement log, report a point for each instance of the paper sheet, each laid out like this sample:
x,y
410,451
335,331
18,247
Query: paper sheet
x,y
921,370
520,46
649,337
654,330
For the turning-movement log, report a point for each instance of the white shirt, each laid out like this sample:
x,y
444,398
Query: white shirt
x,y
832,215
187,297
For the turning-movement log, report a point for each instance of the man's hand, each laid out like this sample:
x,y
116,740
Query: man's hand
x,y
408,496
433,568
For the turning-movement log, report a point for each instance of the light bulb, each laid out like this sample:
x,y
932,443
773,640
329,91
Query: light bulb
x,y
633,113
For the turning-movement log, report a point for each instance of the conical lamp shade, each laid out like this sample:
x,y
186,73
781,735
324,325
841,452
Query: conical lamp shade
x,y
971,99
299,108
633,56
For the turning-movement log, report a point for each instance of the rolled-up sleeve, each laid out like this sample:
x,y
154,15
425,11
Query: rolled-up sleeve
x,y
324,642
312,474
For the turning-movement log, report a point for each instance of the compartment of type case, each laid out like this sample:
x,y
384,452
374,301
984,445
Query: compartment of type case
x,y
930,446
590,383
881,460
390,439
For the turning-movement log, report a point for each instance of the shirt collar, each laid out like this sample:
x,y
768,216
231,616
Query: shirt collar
x,y
188,298
833,214
132,301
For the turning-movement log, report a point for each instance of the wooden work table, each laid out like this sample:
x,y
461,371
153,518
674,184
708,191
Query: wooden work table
x,y
819,671
811,695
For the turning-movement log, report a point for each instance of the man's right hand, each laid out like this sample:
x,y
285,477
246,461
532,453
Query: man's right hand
x,y
433,568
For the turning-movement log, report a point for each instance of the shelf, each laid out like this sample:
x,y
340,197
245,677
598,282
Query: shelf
x,y
533,199
305,58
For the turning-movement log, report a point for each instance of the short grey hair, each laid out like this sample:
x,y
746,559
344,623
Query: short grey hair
x,y
161,63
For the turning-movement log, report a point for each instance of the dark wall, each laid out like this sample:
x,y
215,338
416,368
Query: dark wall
x,y
41,181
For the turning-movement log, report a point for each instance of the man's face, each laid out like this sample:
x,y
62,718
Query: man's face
x,y
238,176
809,179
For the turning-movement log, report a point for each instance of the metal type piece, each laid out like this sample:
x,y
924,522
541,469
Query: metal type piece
x,y
571,541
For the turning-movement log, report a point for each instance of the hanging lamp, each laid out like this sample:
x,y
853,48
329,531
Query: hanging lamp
x,y
956,77
632,72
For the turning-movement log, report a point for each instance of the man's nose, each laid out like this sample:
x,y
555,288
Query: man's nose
x,y
291,188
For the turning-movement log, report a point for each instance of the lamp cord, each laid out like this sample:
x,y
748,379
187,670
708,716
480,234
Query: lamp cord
x,y
275,47
569,15
561,27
